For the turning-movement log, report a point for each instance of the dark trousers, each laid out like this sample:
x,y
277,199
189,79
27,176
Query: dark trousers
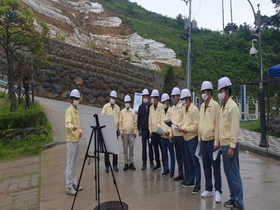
x,y
166,146
231,168
181,157
208,163
145,140
156,144
115,157
107,161
194,172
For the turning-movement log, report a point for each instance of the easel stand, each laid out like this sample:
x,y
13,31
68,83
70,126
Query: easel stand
x,y
99,147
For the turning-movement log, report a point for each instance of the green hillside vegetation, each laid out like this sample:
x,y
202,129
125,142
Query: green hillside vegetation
x,y
214,54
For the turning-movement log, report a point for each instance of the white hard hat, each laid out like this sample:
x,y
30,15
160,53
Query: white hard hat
x,y
185,93
155,93
113,94
175,91
224,82
165,97
206,85
127,98
75,93
145,92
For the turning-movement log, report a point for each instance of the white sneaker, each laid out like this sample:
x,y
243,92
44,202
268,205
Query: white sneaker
x,y
75,187
218,197
206,194
70,191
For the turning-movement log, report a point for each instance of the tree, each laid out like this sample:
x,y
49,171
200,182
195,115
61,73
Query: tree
x,y
169,80
18,35
230,28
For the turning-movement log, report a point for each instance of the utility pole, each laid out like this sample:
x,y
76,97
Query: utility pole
x,y
257,30
189,25
231,16
223,15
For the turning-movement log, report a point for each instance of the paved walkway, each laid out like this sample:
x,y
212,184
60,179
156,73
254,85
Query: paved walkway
x,y
20,179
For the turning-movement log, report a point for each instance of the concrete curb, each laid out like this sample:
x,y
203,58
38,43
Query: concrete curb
x,y
51,145
260,151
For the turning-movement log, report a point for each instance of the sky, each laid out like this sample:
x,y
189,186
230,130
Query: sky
x,y
208,13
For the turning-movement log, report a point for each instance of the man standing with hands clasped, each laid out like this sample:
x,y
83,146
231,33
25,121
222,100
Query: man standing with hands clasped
x,y
229,133
208,131
74,133
128,133
143,129
112,108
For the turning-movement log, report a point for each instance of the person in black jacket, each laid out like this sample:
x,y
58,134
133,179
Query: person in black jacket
x,y
143,129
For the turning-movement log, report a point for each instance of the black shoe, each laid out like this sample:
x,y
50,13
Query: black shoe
x,y
107,169
229,203
185,181
132,167
125,167
196,190
188,185
157,168
171,174
152,164
143,167
178,178
236,208
115,168
165,173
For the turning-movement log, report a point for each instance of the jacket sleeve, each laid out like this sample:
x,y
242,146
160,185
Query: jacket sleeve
x,y
193,127
216,127
120,122
68,120
235,127
139,119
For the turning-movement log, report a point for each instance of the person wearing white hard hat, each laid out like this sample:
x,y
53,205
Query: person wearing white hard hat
x,y
111,108
177,137
189,126
143,129
128,130
208,132
166,145
154,121
229,135
74,133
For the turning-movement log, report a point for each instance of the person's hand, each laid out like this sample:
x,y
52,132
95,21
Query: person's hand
x,y
122,135
216,147
134,135
199,142
185,130
170,140
151,134
74,128
139,133
81,134
230,153
167,133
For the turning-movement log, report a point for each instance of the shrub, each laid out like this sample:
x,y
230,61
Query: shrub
x,y
24,119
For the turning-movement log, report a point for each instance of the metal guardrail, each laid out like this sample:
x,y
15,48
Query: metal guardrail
x,y
5,84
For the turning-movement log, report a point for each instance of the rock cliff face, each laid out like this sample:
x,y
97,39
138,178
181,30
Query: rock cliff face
x,y
87,24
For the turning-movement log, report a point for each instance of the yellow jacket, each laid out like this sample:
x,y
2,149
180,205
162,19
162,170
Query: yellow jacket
x,y
154,117
109,110
229,127
208,128
190,122
128,121
165,116
72,119
176,118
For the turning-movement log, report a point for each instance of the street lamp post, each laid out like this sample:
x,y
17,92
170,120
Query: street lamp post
x,y
257,17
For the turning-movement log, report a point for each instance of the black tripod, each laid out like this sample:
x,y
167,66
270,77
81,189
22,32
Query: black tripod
x,y
99,147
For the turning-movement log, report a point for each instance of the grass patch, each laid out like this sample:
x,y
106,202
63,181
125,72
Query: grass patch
x,y
256,126
14,145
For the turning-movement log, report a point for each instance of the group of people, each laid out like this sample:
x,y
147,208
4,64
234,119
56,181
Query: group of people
x,y
177,131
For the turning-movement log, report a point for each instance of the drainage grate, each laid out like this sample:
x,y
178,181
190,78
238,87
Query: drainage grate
x,y
112,205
